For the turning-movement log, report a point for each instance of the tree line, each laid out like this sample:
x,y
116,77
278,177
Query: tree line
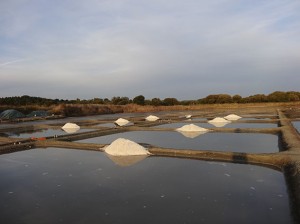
x,y
277,96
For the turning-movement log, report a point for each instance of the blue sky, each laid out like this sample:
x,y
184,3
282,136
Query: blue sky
x,y
186,49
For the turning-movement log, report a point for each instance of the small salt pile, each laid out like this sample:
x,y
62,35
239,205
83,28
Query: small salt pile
x,y
125,147
121,122
188,116
219,122
192,128
232,117
152,118
70,127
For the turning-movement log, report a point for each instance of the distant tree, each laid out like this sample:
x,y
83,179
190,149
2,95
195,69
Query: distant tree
x,y
156,102
236,99
278,96
170,101
140,100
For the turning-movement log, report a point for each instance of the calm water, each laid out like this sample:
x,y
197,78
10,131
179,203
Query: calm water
x,y
229,125
296,124
71,186
235,142
43,133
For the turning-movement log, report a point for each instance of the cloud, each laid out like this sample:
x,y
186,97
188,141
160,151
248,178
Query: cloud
x,y
134,47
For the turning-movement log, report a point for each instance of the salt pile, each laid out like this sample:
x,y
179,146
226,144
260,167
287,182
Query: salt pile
x,y
219,122
121,122
125,147
192,128
232,117
188,116
70,127
152,118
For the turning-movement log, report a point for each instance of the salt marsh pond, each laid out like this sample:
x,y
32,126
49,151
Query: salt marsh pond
x,y
57,185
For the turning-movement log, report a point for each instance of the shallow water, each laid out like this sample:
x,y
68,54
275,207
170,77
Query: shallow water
x,y
43,133
235,142
296,124
72,186
229,125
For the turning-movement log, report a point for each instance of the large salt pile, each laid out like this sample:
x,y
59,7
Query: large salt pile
x,y
192,128
125,147
152,118
232,117
121,122
70,128
219,122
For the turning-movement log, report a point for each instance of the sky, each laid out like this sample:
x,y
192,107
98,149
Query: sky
x,y
186,49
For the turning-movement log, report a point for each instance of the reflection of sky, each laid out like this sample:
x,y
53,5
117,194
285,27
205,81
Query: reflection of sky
x,y
229,125
87,187
235,142
296,124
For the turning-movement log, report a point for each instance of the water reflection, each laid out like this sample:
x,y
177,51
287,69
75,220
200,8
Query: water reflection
x,y
61,185
233,142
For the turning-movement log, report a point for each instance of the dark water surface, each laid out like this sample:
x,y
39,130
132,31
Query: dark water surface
x,y
235,142
43,133
72,186
228,125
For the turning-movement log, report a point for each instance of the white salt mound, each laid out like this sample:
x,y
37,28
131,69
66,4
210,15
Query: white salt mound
x,y
152,118
125,147
192,128
218,119
232,117
188,116
70,128
121,122
70,125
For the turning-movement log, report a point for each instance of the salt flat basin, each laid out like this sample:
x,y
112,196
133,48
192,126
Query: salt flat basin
x,y
234,142
87,187
229,125
43,133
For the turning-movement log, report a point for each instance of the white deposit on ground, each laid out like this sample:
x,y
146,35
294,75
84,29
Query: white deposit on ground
x,y
188,116
121,122
219,122
125,147
232,117
152,118
70,127
192,128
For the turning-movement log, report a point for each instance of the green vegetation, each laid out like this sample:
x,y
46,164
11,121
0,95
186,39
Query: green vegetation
x,y
277,96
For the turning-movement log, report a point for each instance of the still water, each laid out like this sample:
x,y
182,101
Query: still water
x,y
42,133
227,125
234,142
71,186
296,124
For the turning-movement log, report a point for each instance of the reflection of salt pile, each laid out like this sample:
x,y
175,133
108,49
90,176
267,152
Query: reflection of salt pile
x,y
121,122
219,122
152,118
127,160
70,128
232,117
125,147
191,130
